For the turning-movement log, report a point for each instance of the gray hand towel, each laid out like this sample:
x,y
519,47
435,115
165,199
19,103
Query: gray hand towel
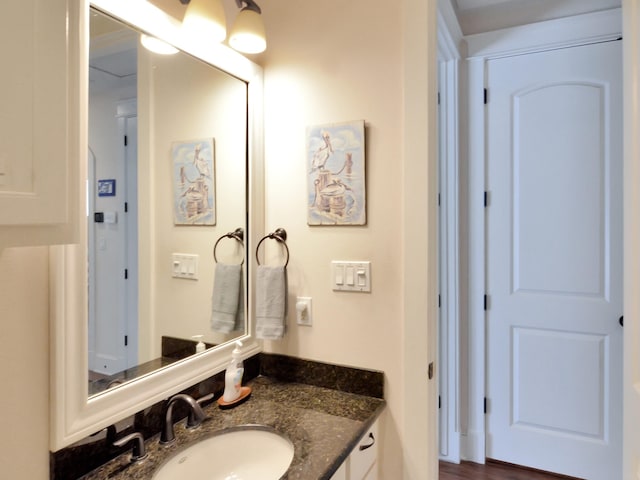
x,y
240,323
225,297
271,302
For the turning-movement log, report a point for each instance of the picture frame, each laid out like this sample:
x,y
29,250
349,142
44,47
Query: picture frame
x,y
107,188
336,181
193,167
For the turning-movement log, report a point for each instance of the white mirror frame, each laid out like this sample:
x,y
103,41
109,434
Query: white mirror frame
x,y
73,414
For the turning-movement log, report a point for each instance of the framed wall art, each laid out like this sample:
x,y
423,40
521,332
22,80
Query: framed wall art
x,y
107,188
193,164
336,174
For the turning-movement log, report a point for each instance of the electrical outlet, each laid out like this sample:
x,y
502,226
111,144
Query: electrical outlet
x,y
303,311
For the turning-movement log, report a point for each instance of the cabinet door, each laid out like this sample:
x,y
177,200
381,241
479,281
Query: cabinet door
x,y
341,473
361,462
41,93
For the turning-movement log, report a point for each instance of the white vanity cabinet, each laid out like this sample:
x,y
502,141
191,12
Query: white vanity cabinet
x,y
361,462
41,94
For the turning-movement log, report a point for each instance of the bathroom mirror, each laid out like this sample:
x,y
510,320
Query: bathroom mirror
x,y
167,181
75,414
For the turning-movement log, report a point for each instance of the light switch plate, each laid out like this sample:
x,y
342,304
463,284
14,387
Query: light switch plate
x,y
184,265
351,276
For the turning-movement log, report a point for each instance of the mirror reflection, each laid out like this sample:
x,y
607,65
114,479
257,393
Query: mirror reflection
x,y
167,180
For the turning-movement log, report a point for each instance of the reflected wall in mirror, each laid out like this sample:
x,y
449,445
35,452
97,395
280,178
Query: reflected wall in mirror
x,y
167,134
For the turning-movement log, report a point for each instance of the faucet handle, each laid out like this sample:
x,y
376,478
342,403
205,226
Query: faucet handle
x,y
138,453
196,416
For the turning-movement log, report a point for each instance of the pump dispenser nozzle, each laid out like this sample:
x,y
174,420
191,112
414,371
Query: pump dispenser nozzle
x,y
200,346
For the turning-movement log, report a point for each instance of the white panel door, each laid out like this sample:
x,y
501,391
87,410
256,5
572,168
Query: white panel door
x,y
554,260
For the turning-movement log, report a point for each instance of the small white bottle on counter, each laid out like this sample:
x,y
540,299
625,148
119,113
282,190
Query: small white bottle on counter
x,y
233,376
200,346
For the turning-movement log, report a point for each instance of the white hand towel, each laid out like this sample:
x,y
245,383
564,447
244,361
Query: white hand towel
x,y
225,297
271,302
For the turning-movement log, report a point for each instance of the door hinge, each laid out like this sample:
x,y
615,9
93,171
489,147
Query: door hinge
x,y
430,371
126,340
126,273
439,301
486,198
438,98
126,140
486,302
439,401
485,405
438,199
126,207
486,96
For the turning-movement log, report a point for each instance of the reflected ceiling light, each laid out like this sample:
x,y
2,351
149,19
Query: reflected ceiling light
x,y
248,34
204,20
156,45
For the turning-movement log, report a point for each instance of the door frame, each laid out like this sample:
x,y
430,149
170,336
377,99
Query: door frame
x,y
631,376
449,59
553,34
126,112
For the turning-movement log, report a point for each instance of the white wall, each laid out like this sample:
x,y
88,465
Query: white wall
x,y
336,61
24,363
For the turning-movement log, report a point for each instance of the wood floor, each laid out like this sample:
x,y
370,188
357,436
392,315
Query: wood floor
x,y
492,471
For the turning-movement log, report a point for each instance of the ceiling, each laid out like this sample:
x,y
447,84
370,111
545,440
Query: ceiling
x,y
476,16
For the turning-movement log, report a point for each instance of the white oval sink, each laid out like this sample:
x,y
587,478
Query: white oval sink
x,y
239,453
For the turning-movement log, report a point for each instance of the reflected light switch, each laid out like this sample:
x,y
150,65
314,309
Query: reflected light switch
x,y
184,265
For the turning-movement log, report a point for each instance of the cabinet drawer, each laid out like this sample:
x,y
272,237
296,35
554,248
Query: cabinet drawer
x,y
363,456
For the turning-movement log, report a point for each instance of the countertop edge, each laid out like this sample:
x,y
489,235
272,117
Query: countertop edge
x,y
349,446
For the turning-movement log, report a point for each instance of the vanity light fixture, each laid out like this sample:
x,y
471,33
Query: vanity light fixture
x,y
204,19
156,45
248,33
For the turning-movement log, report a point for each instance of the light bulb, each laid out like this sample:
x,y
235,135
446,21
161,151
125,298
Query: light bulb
x,y
204,20
247,34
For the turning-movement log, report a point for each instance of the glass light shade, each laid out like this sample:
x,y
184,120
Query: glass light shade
x,y
156,45
247,34
205,20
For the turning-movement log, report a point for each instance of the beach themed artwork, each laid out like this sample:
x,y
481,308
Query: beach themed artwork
x,y
336,174
193,182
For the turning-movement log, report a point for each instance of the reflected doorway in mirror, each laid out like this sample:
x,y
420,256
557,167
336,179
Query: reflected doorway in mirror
x,y
193,182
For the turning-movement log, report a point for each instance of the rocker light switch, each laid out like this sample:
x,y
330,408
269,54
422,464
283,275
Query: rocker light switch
x,y
339,274
349,270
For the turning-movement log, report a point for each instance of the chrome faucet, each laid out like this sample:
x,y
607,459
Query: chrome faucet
x,y
138,453
196,415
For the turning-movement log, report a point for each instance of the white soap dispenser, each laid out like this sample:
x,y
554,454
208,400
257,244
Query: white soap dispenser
x,y
200,346
233,376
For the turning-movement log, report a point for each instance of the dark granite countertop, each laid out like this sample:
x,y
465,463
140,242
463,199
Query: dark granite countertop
x,y
323,424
